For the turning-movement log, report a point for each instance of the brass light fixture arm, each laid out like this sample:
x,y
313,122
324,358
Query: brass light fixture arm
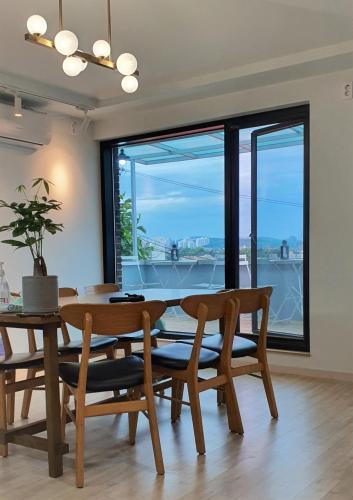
x,y
61,24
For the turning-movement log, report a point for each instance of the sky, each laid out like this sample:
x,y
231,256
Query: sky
x,y
173,210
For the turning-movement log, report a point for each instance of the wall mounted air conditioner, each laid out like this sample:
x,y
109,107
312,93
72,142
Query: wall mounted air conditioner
x,y
31,131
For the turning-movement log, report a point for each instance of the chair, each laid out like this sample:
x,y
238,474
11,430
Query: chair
x,y
251,301
124,341
69,349
9,363
181,362
130,373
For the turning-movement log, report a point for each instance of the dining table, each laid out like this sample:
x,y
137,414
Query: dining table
x,y
47,325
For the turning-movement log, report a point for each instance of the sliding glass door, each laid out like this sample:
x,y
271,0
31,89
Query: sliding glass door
x,y
277,235
214,206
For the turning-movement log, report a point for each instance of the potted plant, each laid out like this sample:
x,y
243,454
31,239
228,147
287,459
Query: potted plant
x,y
31,223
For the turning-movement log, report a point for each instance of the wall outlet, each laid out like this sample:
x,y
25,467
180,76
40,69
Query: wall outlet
x,y
348,90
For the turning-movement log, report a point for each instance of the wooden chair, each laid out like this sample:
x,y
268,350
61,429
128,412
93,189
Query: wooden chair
x,y
130,373
182,362
255,300
124,341
68,349
9,364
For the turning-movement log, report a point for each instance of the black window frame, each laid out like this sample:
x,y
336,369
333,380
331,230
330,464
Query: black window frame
x,y
231,127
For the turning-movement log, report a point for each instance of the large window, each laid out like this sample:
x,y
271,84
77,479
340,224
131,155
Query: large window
x,y
222,205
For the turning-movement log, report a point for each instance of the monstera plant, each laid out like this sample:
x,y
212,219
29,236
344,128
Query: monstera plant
x,y
31,221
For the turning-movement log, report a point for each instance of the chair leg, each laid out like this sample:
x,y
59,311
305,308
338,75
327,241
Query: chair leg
x,y
10,403
234,418
196,417
65,402
127,350
152,418
133,418
3,418
220,393
174,405
80,436
111,354
180,393
266,379
27,396
154,342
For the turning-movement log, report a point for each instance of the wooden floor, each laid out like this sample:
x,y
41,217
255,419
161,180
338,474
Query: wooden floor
x,y
306,455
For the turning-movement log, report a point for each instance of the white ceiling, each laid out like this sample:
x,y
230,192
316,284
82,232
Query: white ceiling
x,y
180,45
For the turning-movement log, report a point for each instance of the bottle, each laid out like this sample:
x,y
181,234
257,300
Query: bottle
x,y
4,290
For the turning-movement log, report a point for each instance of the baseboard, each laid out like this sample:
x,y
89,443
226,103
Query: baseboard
x,y
310,372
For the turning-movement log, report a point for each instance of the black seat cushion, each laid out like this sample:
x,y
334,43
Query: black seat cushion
x,y
106,375
136,336
177,356
97,344
241,346
22,360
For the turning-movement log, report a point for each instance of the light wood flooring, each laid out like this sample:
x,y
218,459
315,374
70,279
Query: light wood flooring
x,y
306,455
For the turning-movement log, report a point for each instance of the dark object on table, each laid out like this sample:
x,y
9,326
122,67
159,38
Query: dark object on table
x,y
130,297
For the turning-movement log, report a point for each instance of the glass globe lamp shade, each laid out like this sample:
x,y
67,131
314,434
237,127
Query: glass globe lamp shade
x,y
101,48
72,66
36,25
66,42
129,84
126,64
83,64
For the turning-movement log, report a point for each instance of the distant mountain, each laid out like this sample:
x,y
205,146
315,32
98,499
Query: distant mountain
x,y
215,243
265,242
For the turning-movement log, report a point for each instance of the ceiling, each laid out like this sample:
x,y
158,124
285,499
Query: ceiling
x,y
182,46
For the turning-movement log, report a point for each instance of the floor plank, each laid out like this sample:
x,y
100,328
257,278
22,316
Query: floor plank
x,y
306,455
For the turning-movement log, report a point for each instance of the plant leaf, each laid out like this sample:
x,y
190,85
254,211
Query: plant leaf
x,y
15,243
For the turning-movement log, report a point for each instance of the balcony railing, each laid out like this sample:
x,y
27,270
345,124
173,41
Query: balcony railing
x,y
285,276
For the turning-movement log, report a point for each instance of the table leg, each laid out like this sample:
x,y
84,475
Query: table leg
x,y
55,459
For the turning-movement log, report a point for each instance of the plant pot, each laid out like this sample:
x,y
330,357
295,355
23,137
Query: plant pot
x,y
40,294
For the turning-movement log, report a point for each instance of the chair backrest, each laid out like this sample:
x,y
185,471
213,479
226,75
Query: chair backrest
x,y
67,292
101,288
113,319
251,299
216,304
210,307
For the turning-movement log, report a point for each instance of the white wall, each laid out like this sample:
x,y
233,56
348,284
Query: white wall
x,y
331,197
72,163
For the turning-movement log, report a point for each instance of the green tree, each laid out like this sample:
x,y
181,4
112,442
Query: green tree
x,y
144,252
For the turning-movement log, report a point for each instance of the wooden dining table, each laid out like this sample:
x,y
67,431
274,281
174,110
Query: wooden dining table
x,y
48,325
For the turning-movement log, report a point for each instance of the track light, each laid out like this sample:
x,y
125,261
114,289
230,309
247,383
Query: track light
x,y
17,107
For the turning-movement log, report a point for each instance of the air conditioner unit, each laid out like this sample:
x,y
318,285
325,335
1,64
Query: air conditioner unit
x,y
31,131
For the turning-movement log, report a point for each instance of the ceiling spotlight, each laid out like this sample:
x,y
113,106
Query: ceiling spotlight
x,y
101,48
66,42
17,107
36,25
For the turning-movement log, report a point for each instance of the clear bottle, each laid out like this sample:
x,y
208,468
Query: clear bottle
x,y
4,290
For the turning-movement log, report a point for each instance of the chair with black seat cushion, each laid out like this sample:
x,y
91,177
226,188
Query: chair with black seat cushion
x,y
251,301
68,349
182,362
124,342
9,364
130,373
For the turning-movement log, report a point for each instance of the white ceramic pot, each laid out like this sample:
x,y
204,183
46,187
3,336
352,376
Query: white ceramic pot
x,y
40,294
